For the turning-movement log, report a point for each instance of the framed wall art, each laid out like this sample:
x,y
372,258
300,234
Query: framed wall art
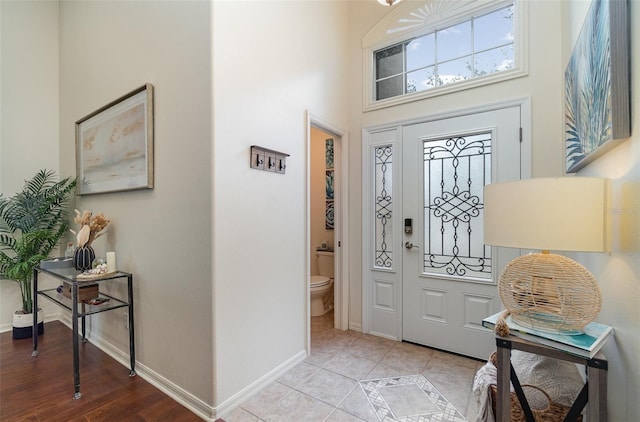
x,y
114,145
329,189
597,97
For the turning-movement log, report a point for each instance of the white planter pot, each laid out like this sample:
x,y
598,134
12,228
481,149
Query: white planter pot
x,y
23,324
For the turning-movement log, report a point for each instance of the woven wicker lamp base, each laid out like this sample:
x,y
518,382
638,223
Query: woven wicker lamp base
x,y
549,292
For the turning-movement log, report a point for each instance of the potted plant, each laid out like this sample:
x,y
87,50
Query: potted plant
x,y
31,225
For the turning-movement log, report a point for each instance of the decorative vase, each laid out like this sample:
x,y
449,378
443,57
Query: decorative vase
x,y
23,324
83,258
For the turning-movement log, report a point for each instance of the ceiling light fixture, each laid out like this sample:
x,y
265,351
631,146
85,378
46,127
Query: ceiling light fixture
x,y
389,2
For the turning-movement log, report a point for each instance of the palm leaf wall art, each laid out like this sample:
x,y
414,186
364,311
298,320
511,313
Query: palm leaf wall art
x,y
597,110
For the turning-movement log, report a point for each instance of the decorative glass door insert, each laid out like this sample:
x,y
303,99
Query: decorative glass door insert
x,y
383,193
455,172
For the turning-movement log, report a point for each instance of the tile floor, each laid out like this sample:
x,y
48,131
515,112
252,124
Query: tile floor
x,y
355,377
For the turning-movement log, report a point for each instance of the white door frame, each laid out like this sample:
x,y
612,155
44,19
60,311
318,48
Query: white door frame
x,y
525,165
341,229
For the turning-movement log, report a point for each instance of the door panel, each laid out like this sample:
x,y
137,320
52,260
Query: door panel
x,y
447,272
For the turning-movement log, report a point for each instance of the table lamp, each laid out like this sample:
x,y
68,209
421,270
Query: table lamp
x,y
546,291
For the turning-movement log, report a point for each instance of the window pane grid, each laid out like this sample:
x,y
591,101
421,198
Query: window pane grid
x,y
472,48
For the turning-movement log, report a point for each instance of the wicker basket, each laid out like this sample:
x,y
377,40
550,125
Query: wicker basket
x,y
554,412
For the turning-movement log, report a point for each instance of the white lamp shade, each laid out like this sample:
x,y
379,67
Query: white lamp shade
x,y
560,214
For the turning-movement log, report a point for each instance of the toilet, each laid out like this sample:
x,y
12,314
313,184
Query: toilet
x,y
322,285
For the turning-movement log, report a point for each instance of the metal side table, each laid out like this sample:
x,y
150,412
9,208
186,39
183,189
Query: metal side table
x,y
593,394
82,310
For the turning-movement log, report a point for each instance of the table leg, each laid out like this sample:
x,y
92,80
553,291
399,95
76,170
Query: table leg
x,y
132,338
597,382
34,296
76,354
503,405
84,324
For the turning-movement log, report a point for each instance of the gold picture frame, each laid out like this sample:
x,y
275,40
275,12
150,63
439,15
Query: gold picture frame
x,y
114,145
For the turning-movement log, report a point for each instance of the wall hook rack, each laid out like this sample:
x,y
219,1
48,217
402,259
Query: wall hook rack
x,y
268,159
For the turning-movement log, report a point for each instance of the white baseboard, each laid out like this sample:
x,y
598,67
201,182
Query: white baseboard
x,y
174,391
182,396
255,387
355,326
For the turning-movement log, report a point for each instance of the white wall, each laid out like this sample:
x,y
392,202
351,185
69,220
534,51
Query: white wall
x,y
318,194
28,109
273,61
108,48
618,273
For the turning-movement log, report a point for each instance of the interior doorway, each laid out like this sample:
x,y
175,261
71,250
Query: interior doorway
x,y
333,210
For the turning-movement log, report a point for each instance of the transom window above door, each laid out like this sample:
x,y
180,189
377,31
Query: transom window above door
x,y
433,47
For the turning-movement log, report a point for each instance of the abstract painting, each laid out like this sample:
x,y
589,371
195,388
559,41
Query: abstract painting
x,y
329,222
114,145
329,219
597,109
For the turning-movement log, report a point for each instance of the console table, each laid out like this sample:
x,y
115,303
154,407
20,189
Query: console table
x,y
593,394
82,309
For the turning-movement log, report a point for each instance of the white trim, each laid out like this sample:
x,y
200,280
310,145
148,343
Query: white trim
x,y
341,309
414,18
261,383
372,317
171,389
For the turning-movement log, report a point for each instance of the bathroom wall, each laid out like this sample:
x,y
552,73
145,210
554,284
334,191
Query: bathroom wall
x,y
318,231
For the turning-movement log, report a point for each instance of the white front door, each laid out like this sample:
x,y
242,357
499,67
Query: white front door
x,y
428,278
449,273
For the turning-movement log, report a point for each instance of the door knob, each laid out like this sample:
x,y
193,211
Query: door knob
x,y
410,245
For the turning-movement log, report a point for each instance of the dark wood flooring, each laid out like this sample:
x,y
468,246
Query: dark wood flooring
x,y
41,388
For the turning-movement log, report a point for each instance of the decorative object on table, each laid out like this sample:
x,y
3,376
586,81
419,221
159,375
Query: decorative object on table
x,y
56,263
100,269
84,292
31,224
114,145
83,258
586,345
68,253
111,262
91,228
97,301
597,86
545,291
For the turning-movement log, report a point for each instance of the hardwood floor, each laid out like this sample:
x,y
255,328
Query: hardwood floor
x,y
41,388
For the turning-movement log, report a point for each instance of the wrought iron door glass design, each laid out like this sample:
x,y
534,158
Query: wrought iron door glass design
x,y
455,172
383,191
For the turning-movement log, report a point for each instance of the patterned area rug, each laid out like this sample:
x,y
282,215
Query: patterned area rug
x,y
410,398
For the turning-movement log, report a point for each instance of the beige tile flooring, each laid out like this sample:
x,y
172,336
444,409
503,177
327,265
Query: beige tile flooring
x,y
328,386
